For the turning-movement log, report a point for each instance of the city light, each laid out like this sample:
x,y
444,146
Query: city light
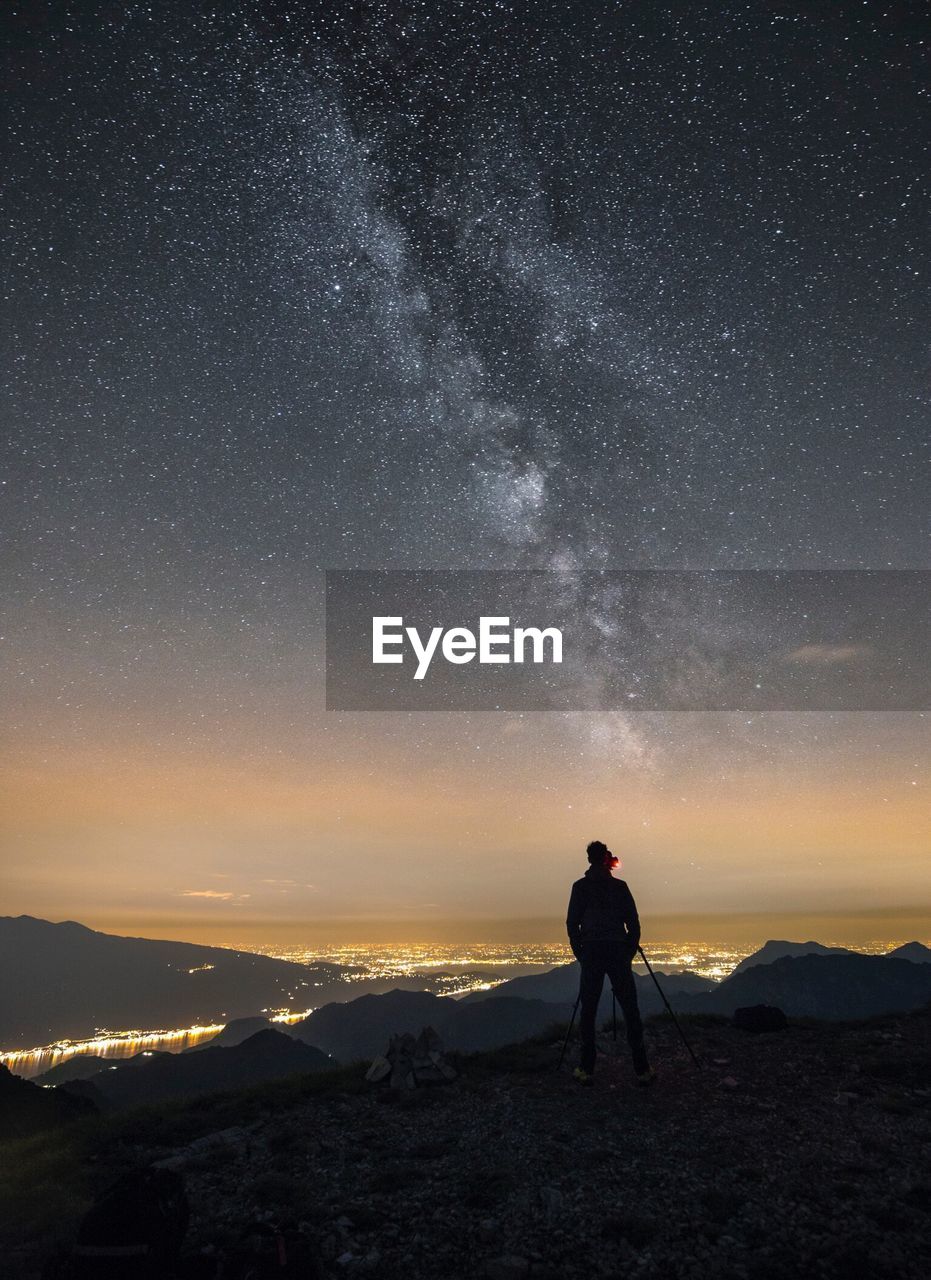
x,y
453,970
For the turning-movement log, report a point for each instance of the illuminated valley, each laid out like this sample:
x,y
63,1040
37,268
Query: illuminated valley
x,y
453,970
107,1044
480,966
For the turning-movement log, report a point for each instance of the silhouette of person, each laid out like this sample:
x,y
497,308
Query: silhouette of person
x,y
604,933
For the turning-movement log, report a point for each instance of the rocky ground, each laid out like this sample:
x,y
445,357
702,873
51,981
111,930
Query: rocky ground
x,y
802,1153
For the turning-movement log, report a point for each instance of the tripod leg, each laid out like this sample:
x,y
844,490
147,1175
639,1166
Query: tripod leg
x,y
669,1008
569,1032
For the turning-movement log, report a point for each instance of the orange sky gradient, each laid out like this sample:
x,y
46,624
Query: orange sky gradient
x,y
375,845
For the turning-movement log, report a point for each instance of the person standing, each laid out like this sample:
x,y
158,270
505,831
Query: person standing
x,y
604,934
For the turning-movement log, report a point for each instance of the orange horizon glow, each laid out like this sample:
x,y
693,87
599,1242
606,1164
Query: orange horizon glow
x,y
132,835
854,928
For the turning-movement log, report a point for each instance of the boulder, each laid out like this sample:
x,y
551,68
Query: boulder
x,y
760,1017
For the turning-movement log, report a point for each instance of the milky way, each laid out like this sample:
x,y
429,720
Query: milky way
x,y
291,287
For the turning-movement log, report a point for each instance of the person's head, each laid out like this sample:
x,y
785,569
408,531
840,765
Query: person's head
x,y
599,855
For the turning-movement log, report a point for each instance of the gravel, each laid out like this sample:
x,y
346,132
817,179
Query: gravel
x,y
797,1153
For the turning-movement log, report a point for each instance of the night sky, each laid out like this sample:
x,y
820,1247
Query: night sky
x,y
290,287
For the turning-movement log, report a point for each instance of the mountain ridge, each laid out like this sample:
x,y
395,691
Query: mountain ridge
x,y
777,948
263,1057
830,987
66,981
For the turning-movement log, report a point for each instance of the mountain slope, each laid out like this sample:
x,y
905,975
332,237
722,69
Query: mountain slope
x,y
821,986
362,1028
26,1109
492,1023
562,984
268,1055
84,1065
65,980
233,1033
917,952
777,949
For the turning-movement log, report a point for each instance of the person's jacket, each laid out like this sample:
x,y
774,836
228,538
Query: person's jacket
x,y
602,909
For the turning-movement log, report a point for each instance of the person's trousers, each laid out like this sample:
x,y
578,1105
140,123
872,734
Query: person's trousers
x,y
611,959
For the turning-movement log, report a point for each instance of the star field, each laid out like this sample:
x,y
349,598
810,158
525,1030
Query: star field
x,y
295,286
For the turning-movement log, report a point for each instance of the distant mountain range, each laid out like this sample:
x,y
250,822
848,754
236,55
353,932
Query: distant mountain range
x,y
64,981
821,986
803,979
267,1055
562,984
917,952
235,1032
819,983
84,1065
361,1028
776,949
832,986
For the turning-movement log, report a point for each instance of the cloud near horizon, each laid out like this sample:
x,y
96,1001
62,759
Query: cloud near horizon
x,y
214,895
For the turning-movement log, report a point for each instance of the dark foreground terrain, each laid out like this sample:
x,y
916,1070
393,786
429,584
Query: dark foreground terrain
x,y
796,1153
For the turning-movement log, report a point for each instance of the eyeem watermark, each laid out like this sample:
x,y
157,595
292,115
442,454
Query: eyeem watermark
x,y
664,640
495,643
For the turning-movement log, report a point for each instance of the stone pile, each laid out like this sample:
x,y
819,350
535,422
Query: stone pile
x,y
410,1061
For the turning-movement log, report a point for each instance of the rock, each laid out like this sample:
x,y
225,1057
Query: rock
x,y
379,1069
760,1017
236,1136
551,1201
509,1267
409,1062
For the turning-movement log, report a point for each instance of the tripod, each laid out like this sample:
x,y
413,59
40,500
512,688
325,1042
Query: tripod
x,y
565,1043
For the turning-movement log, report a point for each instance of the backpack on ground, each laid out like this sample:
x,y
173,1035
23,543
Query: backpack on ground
x,y
135,1229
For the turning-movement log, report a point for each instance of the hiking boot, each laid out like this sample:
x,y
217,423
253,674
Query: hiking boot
x,y
646,1078
583,1077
